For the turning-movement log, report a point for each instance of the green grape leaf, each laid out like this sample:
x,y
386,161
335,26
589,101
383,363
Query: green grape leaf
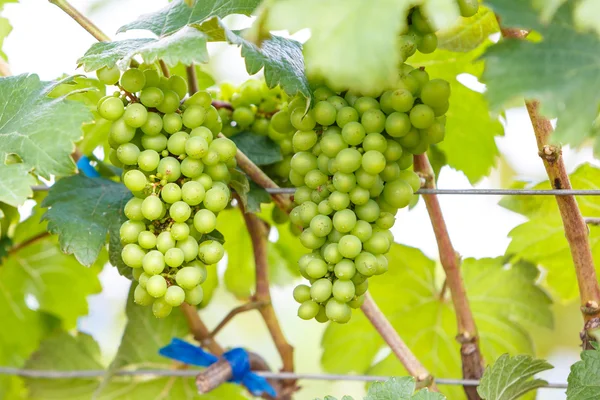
x,y
15,184
400,389
257,196
472,151
281,59
178,14
82,211
361,52
504,299
40,130
509,378
261,150
240,184
583,381
518,68
186,46
468,33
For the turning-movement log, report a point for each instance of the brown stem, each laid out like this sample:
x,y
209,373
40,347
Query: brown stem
x,y
472,361
253,305
192,79
199,330
576,230
164,68
260,178
28,242
222,104
81,20
397,345
259,235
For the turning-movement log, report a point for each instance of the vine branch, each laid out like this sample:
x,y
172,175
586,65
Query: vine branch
x,y
32,240
81,20
576,230
253,305
472,361
397,345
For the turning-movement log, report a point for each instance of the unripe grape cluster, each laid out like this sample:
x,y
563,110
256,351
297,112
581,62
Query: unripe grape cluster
x,y
419,33
177,170
351,173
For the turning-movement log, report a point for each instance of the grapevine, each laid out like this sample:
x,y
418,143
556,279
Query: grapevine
x,y
178,172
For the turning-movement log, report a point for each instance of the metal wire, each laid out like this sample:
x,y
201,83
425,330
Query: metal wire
x,y
485,192
53,374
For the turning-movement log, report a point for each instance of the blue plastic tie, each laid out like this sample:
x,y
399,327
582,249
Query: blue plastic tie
x,y
237,358
84,166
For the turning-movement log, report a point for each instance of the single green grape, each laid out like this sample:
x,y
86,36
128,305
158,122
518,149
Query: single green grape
x,y
180,231
194,116
338,311
133,209
346,115
172,123
192,168
160,308
165,241
135,180
169,168
178,84
308,310
133,255
310,240
176,143
316,269
348,160
141,296
435,93
174,257
171,193
180,211
152,208
153,125
320,290
192,193
153,262
344,220
148,160
325,113
243,117
174,296
133,80
147,240
301,120
225,149
152,97
157,143
108,76
130,230
349,246
170,102
216,199
120,132
345,269
111,109
343,290
152,77
189,246
373,162
363,104
194,296
210,252
468,8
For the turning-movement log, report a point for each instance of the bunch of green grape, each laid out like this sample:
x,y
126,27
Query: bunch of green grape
x,y
350,171
419,33
177,170
262,111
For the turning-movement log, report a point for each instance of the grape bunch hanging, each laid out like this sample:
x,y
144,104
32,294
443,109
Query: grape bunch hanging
x,y
178,171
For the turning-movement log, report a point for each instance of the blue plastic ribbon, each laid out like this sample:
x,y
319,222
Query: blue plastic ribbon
x,y
237,358
85,166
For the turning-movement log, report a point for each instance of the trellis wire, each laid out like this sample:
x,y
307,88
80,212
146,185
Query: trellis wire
x,y
55,374
488,192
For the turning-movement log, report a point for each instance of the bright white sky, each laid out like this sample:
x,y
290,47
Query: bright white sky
x,y
46,41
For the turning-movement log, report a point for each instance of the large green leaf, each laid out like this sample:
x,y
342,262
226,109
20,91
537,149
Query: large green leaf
x,y
469,33
559,70
82,211
178,14
15,184
504,300
39,129
185,46
509,378
469,144
584,381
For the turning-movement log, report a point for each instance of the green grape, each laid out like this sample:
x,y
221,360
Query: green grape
x,y
135,180
243,117
411,178
205,180
304,140
152,208
315,179
332,144
180,231
337,101
379,243
390,172
191,167
128,153
172,123
338,312
393,152
303,162
406,160
373,162
151,97
386,220
130,230
152,77
435,93
361,289
192,193
153,263
261,126
178,85
402,100
343,290
171,193
170,103
368,212
210,252
331,253
344,182
373,121
346,115
435,133
335,236
302,121
176,143
375,141
216,200
111,109
308,211
165,241
310,240
211,157
153,125
169,169
302,194
353,133
174,296
363,104
132,255
322,93
316,268
160,308
108,76
344,220
141,296
180,211
325,113
420,23
281,122
345,269
382,264
321,225
301,293
366,264
320,290
358,279
410,140
194,296
349,246
133,80
225,148
364,179
397,193
133,209
362,230
157,143
202,132
120,132
468,8
348,160
147,240
194,116
323,163
148,160
397,124
308,310
189,246
357,302
422,116
359,195
189,277
174,257
428,44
